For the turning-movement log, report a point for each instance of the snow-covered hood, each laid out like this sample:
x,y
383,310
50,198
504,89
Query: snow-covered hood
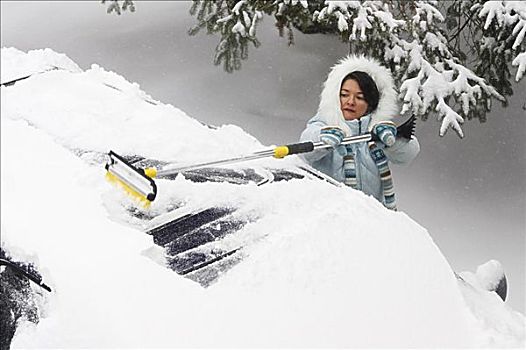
x,y
329,109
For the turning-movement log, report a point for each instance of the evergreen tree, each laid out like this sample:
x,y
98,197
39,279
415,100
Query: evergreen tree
x,y
451,58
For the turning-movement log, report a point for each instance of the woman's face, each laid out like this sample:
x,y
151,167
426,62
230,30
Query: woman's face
x,y
352,101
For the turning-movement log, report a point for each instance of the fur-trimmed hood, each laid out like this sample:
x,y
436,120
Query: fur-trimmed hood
x,y
329,110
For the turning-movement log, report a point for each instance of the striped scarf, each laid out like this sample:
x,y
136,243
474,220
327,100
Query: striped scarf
x,y
379,157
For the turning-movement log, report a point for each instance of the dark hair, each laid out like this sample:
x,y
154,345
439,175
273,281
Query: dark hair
x,y
368,86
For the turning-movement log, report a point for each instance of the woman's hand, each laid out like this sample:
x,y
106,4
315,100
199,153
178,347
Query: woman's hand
x,y
332,135
386,132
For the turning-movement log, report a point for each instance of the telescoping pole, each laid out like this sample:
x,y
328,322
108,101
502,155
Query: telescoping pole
x,y
276,152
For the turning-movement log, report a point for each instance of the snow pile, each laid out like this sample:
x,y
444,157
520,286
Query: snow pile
x,y
489,274
502,327
332,267
18,64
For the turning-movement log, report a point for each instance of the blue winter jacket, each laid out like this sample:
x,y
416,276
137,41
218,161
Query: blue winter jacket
x,y
330,161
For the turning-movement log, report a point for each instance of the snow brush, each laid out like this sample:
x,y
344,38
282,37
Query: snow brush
x,y
139,184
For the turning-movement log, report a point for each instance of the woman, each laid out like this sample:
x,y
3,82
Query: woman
x,y
359,97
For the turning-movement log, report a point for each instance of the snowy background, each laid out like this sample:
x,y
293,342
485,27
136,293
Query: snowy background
x,y
469,194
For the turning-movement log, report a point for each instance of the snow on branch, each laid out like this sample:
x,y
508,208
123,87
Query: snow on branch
x,y
429,11
520,61
117,7
431,87
386,20
433,80
418,40
360,16
439,82
509,14
303,3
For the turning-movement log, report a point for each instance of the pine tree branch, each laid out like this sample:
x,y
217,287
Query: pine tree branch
x,y
421,41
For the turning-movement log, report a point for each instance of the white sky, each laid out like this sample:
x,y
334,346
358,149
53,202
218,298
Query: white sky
x,y
470,194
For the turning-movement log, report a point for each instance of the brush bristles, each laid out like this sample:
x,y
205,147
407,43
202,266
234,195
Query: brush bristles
x,y
137,196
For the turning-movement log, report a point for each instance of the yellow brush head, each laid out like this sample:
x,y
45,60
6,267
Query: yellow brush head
x,y
140,198
138,183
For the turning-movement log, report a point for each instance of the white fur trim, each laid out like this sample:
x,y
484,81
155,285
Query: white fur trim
x,y
329,109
